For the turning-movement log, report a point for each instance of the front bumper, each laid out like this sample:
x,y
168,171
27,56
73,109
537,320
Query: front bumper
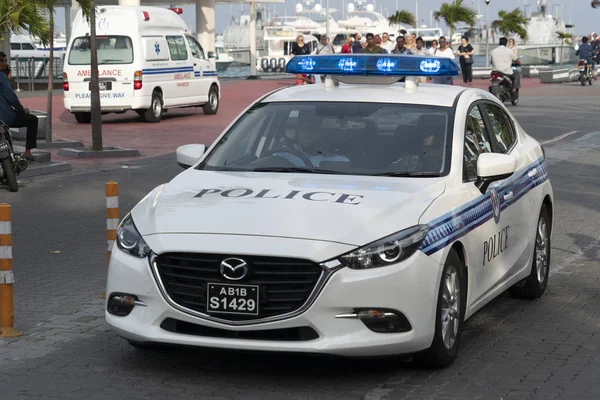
x,y
410,287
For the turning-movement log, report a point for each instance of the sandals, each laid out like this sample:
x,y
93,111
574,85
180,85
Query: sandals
x,y
29,158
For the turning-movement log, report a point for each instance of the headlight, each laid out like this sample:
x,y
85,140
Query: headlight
x,y
129,239
389,250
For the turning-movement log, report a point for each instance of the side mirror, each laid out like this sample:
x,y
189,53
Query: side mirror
x,y
493,167
211,54
189,154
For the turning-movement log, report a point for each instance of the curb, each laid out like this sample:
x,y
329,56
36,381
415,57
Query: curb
x,y
56,144
45,169
105,153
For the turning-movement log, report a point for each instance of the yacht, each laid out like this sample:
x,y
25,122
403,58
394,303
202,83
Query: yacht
x,y
279,40
363,19
222,59
542,46
427,34
236,38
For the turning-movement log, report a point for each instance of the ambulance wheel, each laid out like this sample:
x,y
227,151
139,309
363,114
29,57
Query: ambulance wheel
x,y
212,106
154,113
83,117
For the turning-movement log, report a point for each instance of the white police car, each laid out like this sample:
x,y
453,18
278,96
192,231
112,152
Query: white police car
x,y
369,218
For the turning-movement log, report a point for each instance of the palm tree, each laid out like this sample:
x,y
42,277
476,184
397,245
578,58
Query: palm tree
x,y
453,13
564,37
19,15
511,22
402,17
95,90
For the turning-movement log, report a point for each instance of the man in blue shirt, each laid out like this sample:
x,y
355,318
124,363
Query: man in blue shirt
x,y
12,111
586,52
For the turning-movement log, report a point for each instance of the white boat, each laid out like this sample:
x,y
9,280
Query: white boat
x,y
236,38
427,34
543,47
222,58
364,19
279,40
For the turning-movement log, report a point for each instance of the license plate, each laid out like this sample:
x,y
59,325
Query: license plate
x,y
103,85
4,145
232,299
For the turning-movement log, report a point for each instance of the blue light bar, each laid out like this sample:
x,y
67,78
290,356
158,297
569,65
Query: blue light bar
x,y
372,65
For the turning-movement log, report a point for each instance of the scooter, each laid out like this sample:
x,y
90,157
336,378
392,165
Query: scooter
x,y
501,87
585,72
11,164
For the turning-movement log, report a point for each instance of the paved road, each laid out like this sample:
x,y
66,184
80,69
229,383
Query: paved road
x,y
511,349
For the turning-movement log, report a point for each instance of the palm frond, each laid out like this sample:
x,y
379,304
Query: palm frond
x,y
403,17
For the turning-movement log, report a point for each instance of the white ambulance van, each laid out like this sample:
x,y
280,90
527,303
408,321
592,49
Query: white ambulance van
x,y
148,62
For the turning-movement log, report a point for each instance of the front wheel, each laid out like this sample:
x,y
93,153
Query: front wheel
x,y
534,285
9,174
449,316
212,106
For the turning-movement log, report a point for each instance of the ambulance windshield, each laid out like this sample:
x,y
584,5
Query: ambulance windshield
x,y
111,50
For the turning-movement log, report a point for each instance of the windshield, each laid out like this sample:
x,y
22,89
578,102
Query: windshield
x,y
425,32
337,138
111,50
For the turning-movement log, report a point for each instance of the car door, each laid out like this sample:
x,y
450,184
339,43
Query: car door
x,y
485,216
203,70
181,75
517,199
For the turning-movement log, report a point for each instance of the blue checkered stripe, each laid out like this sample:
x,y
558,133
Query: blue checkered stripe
x,y
457,223
173,70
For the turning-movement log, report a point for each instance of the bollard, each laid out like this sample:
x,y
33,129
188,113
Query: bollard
x,y
112,215
7,318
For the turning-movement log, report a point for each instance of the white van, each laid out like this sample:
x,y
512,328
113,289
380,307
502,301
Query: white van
x,y
147,62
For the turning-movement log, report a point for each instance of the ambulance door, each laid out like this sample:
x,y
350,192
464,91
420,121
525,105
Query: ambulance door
x,y
204,71
181,73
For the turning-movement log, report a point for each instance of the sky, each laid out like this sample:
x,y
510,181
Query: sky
x,y
578,12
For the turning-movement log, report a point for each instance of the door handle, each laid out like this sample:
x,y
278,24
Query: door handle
x,y
532,173
508,195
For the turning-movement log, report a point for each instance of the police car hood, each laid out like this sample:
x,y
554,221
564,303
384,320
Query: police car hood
x,y
344,209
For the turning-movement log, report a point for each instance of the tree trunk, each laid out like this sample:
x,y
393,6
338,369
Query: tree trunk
x,y
50,79
95,91
561,51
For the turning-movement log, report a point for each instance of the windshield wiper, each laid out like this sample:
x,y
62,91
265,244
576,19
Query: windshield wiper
x,y
410,174
295,169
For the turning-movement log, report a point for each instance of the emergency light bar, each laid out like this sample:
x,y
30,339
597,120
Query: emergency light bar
x,y
372,65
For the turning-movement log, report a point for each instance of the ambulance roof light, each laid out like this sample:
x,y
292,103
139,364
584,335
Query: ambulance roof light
x,y
176,10
146,15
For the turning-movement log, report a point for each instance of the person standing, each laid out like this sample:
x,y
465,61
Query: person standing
x,y
357,45
401,46
300,49
324,47
444,51
465,51
386,43
347,47
12,112
371,48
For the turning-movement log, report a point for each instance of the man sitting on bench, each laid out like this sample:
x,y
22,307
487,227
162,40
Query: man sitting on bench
x,y
12,111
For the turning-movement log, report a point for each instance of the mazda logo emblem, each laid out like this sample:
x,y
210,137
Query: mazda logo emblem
x,y
234,269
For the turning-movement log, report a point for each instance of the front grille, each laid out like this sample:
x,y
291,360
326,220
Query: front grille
x,y
285,283
298,334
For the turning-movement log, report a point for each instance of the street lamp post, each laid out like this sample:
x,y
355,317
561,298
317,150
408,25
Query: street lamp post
x,y
487,33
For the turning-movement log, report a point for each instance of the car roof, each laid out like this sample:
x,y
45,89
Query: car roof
x,y
425,94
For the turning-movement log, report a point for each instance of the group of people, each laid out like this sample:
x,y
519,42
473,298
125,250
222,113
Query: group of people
x,y
12,112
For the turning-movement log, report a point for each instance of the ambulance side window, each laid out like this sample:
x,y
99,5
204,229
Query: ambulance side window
x,y
177,48
195,48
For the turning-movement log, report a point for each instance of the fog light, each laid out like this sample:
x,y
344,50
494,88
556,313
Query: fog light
x,y
380,320
121,304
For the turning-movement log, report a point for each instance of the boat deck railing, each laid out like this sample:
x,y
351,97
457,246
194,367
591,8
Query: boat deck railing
x,y
27,71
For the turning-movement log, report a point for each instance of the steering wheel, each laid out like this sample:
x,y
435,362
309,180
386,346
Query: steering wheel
x,y
294,152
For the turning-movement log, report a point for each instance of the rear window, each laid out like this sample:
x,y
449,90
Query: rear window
x,y
111,50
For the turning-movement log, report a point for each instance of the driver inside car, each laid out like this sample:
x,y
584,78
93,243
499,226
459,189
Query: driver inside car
x,y
307,140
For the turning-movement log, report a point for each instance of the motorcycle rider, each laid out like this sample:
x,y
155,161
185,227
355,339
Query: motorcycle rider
x,y
586,52
503,59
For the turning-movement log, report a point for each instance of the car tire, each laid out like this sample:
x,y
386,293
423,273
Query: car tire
x,y
212,106
83,117
154,113
450,311
534,286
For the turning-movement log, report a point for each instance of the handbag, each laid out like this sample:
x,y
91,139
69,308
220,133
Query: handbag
x,y
469,60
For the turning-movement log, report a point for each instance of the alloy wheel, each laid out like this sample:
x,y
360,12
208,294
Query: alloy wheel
x,y
450,307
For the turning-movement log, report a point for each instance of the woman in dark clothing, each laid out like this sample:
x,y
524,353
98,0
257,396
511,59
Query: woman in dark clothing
x,y
300,49
466,51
